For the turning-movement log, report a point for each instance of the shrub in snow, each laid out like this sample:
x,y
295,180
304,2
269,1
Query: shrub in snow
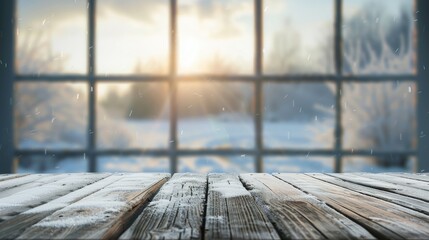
x,y
379,116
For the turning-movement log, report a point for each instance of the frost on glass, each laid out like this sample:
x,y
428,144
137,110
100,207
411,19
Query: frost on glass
x,y
215,115
298,36
133,164
217,164
132,37
50,115
298,115
49,163
215,37
298,164
132,115
380,116
371,164
378,37
51,36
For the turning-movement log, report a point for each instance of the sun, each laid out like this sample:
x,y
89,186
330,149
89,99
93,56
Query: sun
x,y
189,53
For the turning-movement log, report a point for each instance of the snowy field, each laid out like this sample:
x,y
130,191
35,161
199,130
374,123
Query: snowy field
x,y
198,134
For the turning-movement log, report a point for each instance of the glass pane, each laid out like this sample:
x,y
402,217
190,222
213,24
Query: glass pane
x,y
132,36
51,36
215,37
391,163
379,116
51,115
132,115
298,36
215,115
217,164
298,164
299,115
133,164
50,164
378,36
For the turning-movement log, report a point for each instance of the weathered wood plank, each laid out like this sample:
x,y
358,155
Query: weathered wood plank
x,y
397,180
13,227
381,218
232,213
176,212
298,215
409,202
4,177
104,214
385,186
11,186
418,177
25,200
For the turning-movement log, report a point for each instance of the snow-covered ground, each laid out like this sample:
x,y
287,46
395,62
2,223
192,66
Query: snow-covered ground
x,y
206,133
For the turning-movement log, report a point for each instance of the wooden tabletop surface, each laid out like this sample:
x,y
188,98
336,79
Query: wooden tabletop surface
x,y
214,206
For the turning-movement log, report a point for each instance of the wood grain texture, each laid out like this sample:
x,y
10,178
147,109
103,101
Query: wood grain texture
x,y
232,213
176,212
385,186
405,201
104,214
397,180
381,218
25,200
419,177
4,177
13,227
298,215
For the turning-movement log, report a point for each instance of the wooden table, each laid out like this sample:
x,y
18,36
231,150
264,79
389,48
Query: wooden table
x,y
214,206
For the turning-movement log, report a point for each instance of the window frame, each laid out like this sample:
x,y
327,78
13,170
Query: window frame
x,y
8,77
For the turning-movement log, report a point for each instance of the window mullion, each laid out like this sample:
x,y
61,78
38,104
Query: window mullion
x,y
173,87
338,84
92,166
7,77
423,85
258,115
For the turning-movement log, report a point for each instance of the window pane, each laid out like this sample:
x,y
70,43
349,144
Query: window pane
x,y
133,164
379,116
391,163
50,164
299,115
298,164
215,115
51,36
298,36
217,164
132,36
51,115
132,115
215,37
378,36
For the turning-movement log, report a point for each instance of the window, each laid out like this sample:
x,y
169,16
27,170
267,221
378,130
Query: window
x,y
213,86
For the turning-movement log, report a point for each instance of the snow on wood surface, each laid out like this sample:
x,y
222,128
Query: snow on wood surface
x,y
26,199
229,188
66,200
101,213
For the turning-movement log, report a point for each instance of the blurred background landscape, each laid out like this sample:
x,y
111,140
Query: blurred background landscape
x,y
216,38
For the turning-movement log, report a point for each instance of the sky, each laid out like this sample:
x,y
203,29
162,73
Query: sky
x,y
132,35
